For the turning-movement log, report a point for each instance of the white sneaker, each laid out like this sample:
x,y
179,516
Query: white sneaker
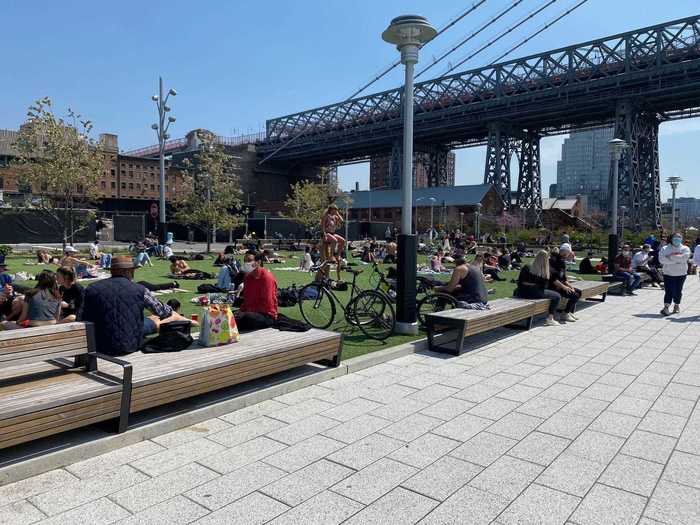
x,y
568,318
552,322
575,318
665,312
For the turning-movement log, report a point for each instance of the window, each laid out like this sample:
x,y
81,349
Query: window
x,y
131,185
80,189
138,186
103,185
153,187
114,172
123,185
131,174
113,184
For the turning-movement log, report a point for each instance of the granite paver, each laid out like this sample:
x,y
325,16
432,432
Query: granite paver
x,y
591,422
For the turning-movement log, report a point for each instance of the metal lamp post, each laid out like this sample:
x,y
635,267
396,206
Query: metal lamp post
x,y
408,33
617,146
477,221
161,129
461,222
673,181
432,200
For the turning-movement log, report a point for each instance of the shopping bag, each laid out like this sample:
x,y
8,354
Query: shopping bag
x,y
229,328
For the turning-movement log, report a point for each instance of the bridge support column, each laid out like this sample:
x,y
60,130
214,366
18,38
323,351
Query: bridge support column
x,y
498,152
530,179
639,187
439,173
395,165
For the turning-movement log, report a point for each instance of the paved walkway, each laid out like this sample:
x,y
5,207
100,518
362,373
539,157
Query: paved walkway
x,y
592,422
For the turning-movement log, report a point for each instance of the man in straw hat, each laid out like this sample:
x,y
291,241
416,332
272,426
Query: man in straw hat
x,y
116,307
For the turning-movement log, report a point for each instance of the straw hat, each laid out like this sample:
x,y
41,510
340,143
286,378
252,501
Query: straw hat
x,y
122,262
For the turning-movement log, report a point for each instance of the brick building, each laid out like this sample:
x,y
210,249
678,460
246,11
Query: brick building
x,y
380,168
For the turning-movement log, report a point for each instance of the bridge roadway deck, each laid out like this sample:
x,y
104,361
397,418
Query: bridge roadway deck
x,y
591,422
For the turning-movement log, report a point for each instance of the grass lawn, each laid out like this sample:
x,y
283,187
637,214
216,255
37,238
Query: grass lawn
x,y
355,343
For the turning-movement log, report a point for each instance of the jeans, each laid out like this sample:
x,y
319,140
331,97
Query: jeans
x,y
554,297
106,260
632,279
142,258
571,300
653,273
673,288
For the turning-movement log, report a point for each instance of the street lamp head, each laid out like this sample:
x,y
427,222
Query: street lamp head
x,y
171,119
154,126
172,92
409,33
674,181
166,108
154,98
616,146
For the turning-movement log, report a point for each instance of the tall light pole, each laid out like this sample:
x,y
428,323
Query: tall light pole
x,y
432,200
461,222
673,181
477,221
161,129
617,146
408,33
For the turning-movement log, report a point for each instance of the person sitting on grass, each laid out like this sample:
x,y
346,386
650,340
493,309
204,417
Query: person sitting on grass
x,y
532,284
585,267
71,293
83,269
624,271
180,267
95,249
259,308
391,251
558,281
43,257
490,266
306,263
436,261
602,266
467,285
10,303
142,258
42,304
116,307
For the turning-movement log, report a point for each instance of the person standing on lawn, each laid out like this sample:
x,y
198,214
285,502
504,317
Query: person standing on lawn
x,y
674,260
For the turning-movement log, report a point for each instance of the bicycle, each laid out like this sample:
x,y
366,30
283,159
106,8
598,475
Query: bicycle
x,y
427,301
369,310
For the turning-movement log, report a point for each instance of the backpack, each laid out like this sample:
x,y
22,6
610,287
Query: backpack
x,y
287,296
173,337
287,324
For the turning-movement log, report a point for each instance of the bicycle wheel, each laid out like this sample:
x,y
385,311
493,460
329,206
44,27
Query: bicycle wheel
x,y
432,303
316,306
372,312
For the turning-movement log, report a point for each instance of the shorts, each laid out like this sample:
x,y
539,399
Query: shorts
x,y
149,327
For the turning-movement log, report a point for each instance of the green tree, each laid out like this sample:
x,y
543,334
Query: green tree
x,y
211,191
307,201
60,163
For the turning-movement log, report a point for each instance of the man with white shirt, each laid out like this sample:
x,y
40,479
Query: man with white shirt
x,y
640,263
95,249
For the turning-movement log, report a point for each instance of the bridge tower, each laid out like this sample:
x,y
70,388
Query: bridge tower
x,y
504,141
639,187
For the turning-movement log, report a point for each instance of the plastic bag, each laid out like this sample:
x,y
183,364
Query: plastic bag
x,y
218,326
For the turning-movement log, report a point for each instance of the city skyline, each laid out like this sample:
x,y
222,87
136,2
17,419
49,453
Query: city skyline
x,y
243,79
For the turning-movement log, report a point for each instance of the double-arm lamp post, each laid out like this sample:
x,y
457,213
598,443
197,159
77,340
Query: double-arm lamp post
x,y
408,33
161,129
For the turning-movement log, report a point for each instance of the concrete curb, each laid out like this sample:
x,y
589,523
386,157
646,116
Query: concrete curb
x,y
61,458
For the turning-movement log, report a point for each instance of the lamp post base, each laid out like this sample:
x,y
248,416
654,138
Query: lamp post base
x,y
162,233
406,314
402,328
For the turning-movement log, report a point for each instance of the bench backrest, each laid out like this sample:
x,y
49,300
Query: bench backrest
x,y
41,343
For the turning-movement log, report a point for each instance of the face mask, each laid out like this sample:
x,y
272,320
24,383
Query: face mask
x,y
248,267
626,253
676,241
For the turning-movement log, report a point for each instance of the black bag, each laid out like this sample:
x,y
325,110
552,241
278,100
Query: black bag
x,y
287,324
173,337
210,288
340,286
287,296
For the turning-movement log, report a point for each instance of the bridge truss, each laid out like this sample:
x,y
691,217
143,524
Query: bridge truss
x,y
632,81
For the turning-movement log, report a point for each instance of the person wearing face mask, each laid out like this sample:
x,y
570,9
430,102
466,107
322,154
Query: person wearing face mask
x,y
674,259
640,263
259,308
623,270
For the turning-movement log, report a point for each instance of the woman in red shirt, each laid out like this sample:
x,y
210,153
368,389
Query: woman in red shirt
x,y
259,309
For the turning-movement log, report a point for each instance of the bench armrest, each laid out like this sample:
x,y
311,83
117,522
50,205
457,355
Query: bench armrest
x,y
127,373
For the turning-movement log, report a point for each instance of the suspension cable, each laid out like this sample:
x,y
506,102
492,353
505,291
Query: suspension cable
x,y
470,10
502,35
381,75
471,36
541,30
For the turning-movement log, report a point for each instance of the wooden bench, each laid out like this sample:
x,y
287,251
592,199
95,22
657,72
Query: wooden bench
x,y
162,378
42,393
590,290
447,329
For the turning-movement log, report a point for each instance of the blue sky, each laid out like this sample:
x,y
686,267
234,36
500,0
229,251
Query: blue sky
x,y
236,64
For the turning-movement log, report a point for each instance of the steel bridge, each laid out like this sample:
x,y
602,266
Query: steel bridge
x,y
632,81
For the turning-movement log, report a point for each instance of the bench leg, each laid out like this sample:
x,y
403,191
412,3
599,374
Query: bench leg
x,y
125,407
335,361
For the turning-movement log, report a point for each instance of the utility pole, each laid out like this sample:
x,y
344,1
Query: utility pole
x,y
161,129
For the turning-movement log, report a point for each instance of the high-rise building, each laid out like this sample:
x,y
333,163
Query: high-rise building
x,y
584,168
687,210
380,167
